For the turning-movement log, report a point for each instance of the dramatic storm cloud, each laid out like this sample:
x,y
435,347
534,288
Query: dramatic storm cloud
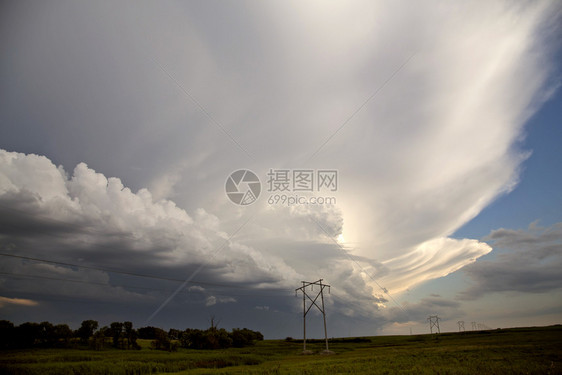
x,y
86,219
420,107
90,215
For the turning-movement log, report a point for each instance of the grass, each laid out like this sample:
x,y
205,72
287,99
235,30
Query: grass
x,y
513,351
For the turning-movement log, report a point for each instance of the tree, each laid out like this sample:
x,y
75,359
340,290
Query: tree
x,y
47,336
244,337
124,336
98,340
192,338
174,334
27,335
116,330
131,336
162,341
63,334
7,334
147,333
86,330
240,339
217,339
214,338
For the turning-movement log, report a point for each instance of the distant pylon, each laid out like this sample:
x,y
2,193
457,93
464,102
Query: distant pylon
x,y
434,322
461,325
483,327
474,326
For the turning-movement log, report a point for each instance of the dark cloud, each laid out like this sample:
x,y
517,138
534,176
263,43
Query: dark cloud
x,y
527,261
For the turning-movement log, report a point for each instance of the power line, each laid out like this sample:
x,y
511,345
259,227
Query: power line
x,y
194,273
135,274
39,277
375,93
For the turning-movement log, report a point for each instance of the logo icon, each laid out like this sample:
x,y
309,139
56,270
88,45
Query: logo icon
x,y
243,187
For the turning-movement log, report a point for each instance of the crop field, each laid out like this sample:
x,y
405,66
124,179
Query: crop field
x,y
507,351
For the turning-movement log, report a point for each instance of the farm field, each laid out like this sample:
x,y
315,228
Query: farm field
x,y
508,351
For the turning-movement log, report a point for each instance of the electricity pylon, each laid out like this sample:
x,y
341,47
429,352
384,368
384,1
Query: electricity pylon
x,y
461,325
433,322
305,310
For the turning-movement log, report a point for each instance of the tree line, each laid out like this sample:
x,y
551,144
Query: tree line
x,y
120,335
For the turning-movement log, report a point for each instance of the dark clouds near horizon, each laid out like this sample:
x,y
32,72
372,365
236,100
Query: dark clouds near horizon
x,y
527,261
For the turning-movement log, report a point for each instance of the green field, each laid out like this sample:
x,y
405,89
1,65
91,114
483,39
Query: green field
x,y
508,351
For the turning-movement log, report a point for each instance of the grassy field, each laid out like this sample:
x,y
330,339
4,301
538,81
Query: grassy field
x,y
509,351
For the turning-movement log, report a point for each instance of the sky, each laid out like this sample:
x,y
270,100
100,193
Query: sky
x,y
408,154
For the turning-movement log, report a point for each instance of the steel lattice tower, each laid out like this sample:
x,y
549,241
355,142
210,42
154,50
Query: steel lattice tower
x,y
305,295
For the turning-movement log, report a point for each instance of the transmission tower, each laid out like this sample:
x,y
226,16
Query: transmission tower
x,y
474,326
461,325
434,322
483,327
305,295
